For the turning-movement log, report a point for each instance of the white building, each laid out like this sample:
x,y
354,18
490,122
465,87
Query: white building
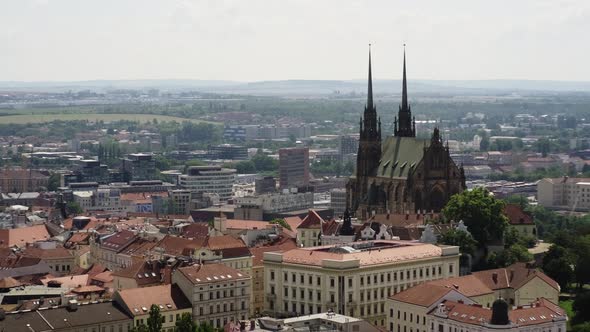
x,y
254,207
564,193
102,199
209,179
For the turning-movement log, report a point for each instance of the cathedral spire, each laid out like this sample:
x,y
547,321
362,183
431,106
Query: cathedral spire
x,y
404,125
404,85
370,85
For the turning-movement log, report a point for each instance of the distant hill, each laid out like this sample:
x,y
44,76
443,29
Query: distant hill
x,y
309,87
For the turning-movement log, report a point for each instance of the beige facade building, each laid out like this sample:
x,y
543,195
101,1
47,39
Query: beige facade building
x,y
218,294
353,280
564,193
170,300
22,180
517,284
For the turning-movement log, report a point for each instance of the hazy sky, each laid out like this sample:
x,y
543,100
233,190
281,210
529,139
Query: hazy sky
x,y
252,40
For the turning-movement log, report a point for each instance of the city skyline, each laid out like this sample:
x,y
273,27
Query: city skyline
x,y
63,40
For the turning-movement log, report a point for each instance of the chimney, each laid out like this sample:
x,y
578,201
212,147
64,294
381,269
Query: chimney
x,y
495,277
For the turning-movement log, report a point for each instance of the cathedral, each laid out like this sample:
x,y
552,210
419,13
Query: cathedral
x,y
400,173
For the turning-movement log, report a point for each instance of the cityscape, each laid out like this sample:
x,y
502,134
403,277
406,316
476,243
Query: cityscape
x,y
417,203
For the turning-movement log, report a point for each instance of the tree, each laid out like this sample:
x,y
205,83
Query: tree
x,y
185,323
54,182
462,239
155,319
557,264
581,307
264,163
204,327
74,208
582,270
482,214
509,256
245,167
584,327
139,328
281,222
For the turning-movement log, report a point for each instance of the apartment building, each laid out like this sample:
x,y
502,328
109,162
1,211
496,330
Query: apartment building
x,y
354,279
218,293
564,193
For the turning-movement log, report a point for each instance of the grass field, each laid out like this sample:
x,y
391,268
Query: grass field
x,y
567,306
40,118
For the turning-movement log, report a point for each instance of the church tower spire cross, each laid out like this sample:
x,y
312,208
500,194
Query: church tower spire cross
x,y
404,125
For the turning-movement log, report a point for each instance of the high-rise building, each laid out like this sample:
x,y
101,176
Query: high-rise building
x,y
293,167
139,167
209,179
347,144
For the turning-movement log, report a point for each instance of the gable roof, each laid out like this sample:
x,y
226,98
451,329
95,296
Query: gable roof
x,y
468,285
311,221
166,297
224,242
423,295
513,276
178,246
517,216
399,154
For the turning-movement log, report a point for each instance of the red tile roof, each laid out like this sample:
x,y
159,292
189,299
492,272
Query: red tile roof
x,y
517,216
423,295
118,241
468,285
208,273
137,301
513,276
57,253
178,246
20,237
258,252
312,221
224,242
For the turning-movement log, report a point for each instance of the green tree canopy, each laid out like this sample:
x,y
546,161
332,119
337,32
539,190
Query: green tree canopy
x,y
155,319
557,264
509,256
185,323
464,240
482,214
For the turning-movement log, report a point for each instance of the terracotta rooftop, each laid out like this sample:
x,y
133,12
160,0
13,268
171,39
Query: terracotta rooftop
x,y
9,282
423,295
258,252
137,301
20,237
196,230
392,252
246,224
513,276
468,285
540,312
57,253
311,221
68,281
294,223
224,242
143,273
517,216
118,241
208,273
178,246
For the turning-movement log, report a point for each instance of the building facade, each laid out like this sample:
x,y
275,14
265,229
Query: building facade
x,y
564,193
355,280
293,167
209,179
218,294
402,173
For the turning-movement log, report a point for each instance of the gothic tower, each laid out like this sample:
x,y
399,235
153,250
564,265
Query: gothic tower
x,y
369,151
404,125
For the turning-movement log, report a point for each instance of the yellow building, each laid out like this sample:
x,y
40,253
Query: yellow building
x,y
353,280
169,299
309,231
257,273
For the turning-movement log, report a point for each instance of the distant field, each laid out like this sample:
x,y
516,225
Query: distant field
x,y
40,118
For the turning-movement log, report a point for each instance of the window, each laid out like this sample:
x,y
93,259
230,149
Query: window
x,y
439,270
303,294
394,276
285,278
389,277
319,296
301,280
332,299
272,275
349,282
319,281
362,281
310,282
332,282
293,278
451,268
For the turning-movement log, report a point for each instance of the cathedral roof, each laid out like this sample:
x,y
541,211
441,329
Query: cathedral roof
x,y
400,154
